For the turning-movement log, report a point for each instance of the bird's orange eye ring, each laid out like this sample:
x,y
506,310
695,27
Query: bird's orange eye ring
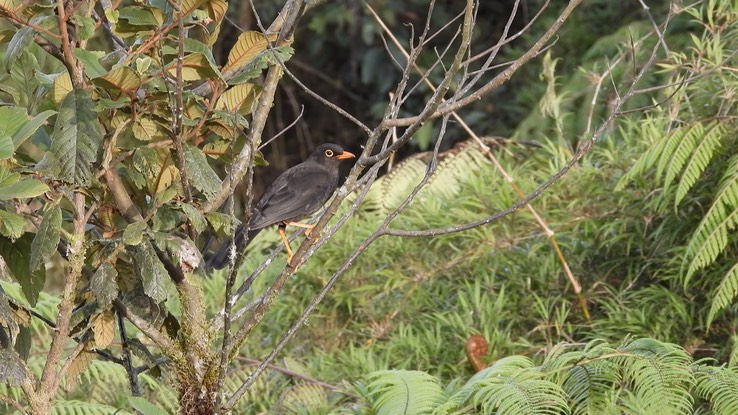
x,y
329,153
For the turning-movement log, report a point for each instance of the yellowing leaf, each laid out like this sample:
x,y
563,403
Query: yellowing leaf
x,y
123,78
145,129
238,98
217,9
221,130
104,329
168,175
62,86
195,66
248,45
78,366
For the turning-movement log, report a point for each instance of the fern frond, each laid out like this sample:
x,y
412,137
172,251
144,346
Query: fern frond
x,y
651,129
510,386
725,293
699,160
404,392
717,385
659,374
589,385
303,399
711,236
678,149
62,407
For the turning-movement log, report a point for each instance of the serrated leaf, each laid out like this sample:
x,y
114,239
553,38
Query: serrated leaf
x,y
134,232
78,366
30,127
17,257
23,189
85,26
47,238
104,285
103,327
152,272
13,370
195,217
145,407
247,46
222,224
91,62
199,172
75,141
11,224
145,129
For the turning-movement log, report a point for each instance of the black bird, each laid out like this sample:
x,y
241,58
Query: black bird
x,y
297,193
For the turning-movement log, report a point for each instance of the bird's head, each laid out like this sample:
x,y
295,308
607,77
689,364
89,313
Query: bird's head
x,y
330,153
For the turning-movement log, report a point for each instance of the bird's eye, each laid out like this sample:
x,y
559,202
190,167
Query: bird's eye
x,y
329,153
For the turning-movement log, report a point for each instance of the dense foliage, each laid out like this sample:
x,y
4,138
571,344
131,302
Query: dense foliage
x,y
646,221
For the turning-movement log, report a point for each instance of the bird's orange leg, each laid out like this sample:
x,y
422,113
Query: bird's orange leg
x,y
282,234
308,228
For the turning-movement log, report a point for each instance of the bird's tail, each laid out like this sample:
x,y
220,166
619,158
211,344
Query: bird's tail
x,y
221,257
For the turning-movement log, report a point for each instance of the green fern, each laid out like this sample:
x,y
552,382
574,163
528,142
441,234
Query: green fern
x,y
403,392
698,162
660,375
725,293
711,236
717,385
510,386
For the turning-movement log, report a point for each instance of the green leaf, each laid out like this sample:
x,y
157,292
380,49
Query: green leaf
x,y
195,217
47,238
91,62
104,284
133,234
30,127
201,175
19,43
85,26
75,141
13,370
12,120
6,147
145,407
11,224
254,68
152,272
23,73
17,256
222,224
23,189
141,16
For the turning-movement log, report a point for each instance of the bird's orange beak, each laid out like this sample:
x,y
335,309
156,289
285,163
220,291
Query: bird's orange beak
x,y
346,155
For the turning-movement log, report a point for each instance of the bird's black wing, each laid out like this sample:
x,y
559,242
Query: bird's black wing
x,y
295,194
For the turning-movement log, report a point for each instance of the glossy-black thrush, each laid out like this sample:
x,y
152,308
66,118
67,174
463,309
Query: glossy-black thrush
x,y
297,193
